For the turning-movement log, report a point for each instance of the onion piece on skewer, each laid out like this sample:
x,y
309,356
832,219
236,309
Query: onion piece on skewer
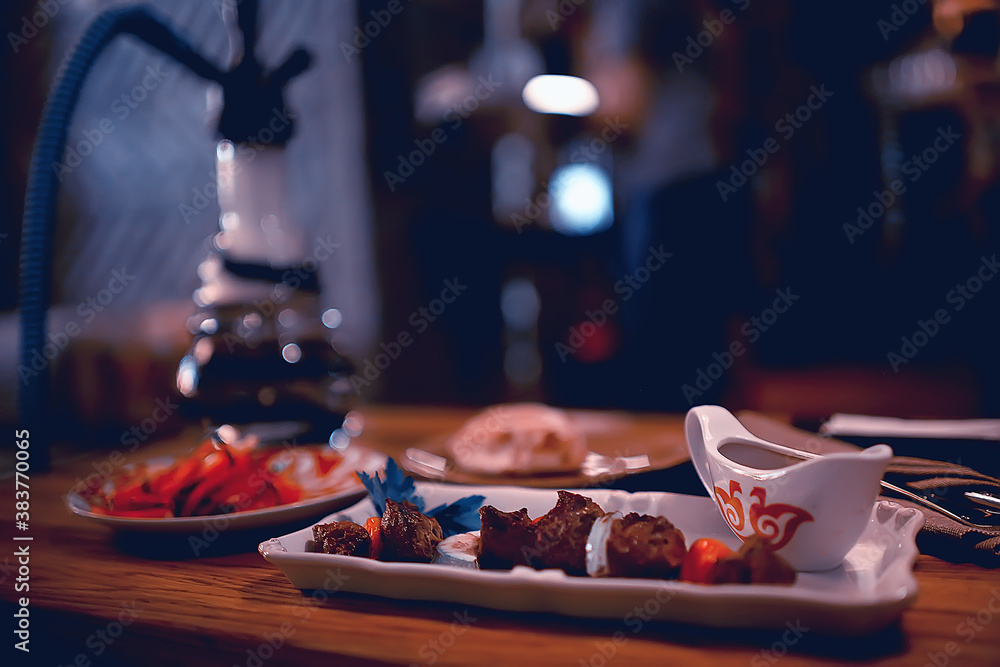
x,y
597,545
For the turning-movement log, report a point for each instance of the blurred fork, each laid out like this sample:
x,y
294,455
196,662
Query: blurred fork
x,y
991,517
429,465
987,515
599,465
594,465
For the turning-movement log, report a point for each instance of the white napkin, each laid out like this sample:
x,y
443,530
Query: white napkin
x,y
945,429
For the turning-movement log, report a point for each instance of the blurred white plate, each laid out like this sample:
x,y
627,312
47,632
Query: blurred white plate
x,y
870,588
341,488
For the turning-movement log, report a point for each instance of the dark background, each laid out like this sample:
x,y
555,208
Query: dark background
x,y
784,230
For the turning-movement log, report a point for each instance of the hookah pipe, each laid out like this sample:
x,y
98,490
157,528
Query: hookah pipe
x,y
249,98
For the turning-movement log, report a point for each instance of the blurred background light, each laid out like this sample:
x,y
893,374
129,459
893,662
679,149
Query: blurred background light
x,y
581,200
291,353
520,304
522,364
513,176
560,94
332,318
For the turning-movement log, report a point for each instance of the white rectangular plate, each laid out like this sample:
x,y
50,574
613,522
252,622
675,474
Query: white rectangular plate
x,y
865,593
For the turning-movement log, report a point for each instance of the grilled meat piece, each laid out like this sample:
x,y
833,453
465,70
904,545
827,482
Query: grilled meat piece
x,y
645,546
505,538
344,538
408,535
755,563
561,535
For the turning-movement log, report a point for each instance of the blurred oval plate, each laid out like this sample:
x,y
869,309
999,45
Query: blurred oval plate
x,y
341,488
618,445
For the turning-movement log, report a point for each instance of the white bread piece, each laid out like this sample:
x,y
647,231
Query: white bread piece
x,y
518,438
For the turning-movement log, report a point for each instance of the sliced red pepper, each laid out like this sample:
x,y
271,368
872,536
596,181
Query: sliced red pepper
x,y
288,491
235,491
217,467
266,497
327,461
374,528
170,482
213,478
131,487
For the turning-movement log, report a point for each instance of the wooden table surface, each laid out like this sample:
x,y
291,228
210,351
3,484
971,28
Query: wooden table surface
x,y
101,599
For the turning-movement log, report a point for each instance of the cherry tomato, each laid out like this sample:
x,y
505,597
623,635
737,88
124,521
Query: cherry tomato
x,y
701,558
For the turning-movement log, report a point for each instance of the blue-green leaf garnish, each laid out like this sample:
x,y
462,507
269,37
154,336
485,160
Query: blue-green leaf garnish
x,y
461,516
396,486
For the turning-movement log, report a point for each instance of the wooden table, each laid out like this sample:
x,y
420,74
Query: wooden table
x,y
98,599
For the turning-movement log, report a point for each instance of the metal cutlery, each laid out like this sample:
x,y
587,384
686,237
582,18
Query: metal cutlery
x,y
595,466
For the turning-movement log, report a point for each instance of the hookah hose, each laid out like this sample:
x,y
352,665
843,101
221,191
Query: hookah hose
x,y
43,191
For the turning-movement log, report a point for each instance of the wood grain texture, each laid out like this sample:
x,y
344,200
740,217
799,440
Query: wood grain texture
x,y
221,608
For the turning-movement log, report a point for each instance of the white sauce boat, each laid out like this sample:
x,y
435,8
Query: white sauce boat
x,y
811,508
